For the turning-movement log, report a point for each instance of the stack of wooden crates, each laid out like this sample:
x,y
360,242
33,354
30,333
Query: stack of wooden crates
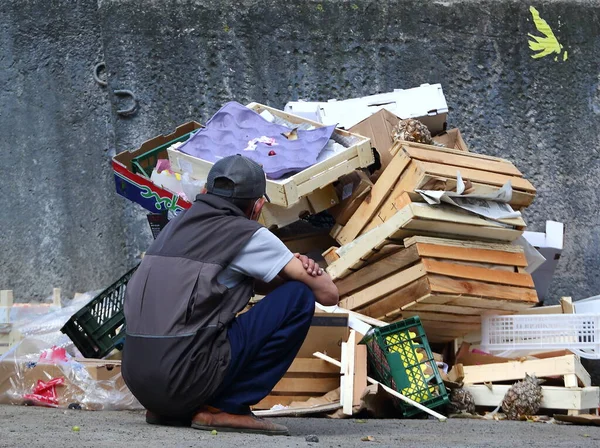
x,y
401,257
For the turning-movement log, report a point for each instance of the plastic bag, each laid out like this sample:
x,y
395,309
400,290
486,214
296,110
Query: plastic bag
x,y
33,373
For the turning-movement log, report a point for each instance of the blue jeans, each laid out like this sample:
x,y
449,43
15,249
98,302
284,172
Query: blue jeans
x,y
264,342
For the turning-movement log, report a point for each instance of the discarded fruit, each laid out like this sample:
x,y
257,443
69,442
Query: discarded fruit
x,y
272,153
75,428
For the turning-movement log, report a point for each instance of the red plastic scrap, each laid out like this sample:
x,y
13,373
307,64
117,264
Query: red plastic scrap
x,y
44,393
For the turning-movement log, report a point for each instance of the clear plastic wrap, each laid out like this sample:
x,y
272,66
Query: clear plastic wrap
x,y
34,373
28,322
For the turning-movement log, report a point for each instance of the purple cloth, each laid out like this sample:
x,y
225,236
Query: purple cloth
x,y
234,127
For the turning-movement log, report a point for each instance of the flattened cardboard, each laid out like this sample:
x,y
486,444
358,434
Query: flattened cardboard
x,y
358,185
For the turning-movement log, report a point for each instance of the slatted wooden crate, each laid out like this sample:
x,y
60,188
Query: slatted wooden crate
x,y
289,191
411,218
416,166
304,379
449,284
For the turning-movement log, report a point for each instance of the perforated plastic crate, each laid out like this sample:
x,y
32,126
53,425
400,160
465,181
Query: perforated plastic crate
x,y
400,358
579,333
99,327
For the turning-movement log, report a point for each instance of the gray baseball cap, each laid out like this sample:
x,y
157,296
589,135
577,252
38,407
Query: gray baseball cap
x,y
248,178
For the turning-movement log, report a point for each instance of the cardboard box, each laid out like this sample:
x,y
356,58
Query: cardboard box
x,y
19,377
352,189
550,245
378,127
425,103
452,139
133,185
326,334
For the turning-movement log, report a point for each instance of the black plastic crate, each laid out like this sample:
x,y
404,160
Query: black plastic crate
x,y
400,358
99,327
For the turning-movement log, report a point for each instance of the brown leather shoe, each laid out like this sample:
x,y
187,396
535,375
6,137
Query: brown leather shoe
x,y
209,419
156,419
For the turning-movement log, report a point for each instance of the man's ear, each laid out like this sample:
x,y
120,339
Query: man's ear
x,y
257,208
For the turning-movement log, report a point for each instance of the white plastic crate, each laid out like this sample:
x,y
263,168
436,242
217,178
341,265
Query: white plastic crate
x,y
579,333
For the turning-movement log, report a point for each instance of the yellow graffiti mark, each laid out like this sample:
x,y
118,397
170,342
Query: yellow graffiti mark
x,y
547,45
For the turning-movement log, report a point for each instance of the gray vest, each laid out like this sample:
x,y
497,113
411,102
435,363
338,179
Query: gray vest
x,y
176,350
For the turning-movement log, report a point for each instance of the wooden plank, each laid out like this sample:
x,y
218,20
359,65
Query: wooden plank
x,y
442,317
299,386
431,242
330,255
399,196
552,397
347,391
519,198
360,372
311,365
453,230
449,285
476,273
397,300
376,271
475,302
461,160
516,370
370,205
437,169
453,151
356,253
466,310
472,254
448,213
449,327
383,288
566,305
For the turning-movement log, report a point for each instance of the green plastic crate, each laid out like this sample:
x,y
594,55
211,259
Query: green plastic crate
x,y
400,358
145,163
99,327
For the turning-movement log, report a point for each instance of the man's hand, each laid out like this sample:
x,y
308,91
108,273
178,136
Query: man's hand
x,y
311,267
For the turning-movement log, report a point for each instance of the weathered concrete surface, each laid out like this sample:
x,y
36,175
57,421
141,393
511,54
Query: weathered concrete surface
x,y
64,225
61,223
185,60
35,427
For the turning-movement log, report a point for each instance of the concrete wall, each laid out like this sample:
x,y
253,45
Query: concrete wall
x,y
62,223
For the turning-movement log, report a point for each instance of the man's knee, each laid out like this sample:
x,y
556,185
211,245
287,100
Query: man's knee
x,y
302,296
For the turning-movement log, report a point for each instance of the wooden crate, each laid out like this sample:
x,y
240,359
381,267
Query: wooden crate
x,y
416,218
416,166
452,138
449,284
277,216
289,191
306,378
567,366
561,398
576,396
